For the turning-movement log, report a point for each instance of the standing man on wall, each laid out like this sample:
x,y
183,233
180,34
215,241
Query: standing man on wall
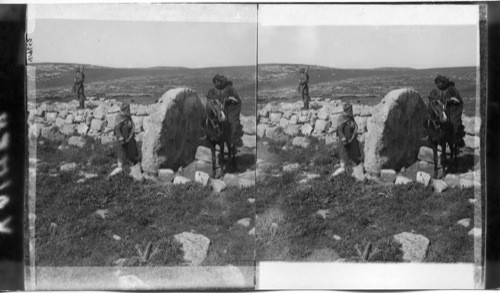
x,y
303,88
78,86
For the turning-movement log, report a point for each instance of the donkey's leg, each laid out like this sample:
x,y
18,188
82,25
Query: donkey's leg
x,y
221,153
214,164
444,162
435,153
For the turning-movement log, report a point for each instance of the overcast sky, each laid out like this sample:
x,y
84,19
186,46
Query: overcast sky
x,y
207,35
145,35
369,36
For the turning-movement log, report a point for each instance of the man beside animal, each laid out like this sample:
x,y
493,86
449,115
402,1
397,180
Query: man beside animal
x,y
444,125
348,146
78,88
224,96
303,87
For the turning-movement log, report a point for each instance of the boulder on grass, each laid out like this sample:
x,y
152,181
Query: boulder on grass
x,y
394,135
172,131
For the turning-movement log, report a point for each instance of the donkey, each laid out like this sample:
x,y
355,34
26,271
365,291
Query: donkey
x,y
217,131
440,132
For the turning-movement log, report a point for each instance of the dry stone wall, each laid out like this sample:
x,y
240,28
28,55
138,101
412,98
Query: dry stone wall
x,y
61,121
287,122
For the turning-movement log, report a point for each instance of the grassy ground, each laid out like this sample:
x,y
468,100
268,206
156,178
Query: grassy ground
x,y
70,233
363,214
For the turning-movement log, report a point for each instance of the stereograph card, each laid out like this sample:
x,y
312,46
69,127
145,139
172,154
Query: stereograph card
x,y
251,146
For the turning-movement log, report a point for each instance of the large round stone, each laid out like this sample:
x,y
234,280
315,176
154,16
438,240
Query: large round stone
x,y
395,131
172,131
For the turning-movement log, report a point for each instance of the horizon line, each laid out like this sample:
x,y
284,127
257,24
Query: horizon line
x,y
260,64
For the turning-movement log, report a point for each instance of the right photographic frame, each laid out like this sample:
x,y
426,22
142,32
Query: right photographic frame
x,y
369,146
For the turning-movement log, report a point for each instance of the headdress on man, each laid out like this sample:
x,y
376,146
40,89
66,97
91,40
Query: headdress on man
x,y
347,107
302,69
441,78
125,106
219,77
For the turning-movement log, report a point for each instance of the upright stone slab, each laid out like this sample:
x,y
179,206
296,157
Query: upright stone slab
x,y
172,131
395,131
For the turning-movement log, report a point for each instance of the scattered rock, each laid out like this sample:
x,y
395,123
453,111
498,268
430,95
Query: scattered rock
x,y
388,175
245,222
203,153
77,141
231,180
302,142
308,177
117,238
323,213
337,237
464,222
401,180
358,172
194,246
414,246
68,167
251,200
452,180
252,232
181,180
426,154
136,172
102,213
472,200
201,177
166,175
217,185
291,167
423,177
439,185
476,232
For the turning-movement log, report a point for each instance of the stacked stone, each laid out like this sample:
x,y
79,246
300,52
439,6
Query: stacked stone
x,y
285,121
249,129
59,120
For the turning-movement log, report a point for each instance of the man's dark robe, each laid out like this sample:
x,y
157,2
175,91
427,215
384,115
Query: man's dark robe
x,y
453,109
232,109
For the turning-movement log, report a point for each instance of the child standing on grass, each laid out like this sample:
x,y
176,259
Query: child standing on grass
x,y
348,146
126,144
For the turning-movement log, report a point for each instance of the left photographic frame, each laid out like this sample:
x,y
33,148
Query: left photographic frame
x,y
141,131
